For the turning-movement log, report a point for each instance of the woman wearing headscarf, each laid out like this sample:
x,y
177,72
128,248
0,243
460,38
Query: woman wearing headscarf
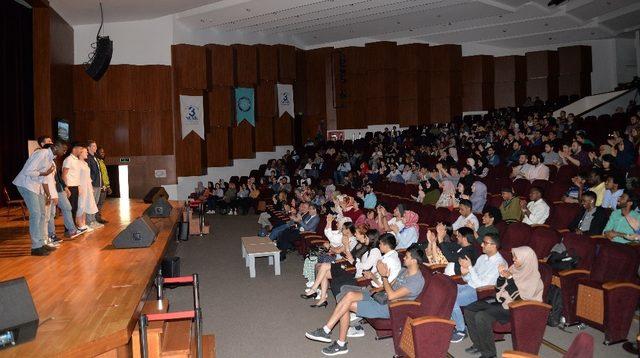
x,y
478,196
404,226
521,281
448,196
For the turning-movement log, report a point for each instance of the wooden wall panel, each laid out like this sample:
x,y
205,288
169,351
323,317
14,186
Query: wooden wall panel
x,y
574,84
446,58
264,134
219,108
219,65
115,89
413,58
509,94
191,155
283,130
542,64
382,110
478,69
445,84
382,55
246,65
61,67
478,96
300,89
546,88
443,110
190,66
574,59
243,142
142,172
266,105
151,86
218,147
150,133
382,83
85,90
286,64
510,69
267,63
41,69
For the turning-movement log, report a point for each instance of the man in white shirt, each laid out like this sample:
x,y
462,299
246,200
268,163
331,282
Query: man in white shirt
x,y
71,176
33,186
466,216
536,211
387,244
484,273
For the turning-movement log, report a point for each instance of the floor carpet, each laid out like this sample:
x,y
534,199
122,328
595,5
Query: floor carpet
x,y
265,317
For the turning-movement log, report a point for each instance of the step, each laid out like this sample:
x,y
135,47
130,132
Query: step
x,y
208,347
176,340
154,329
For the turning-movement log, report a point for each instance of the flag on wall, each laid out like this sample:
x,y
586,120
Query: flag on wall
x,y
192,115
285,99
245,105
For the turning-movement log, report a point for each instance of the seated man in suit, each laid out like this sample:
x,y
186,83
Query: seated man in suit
x,y
591,219
307,223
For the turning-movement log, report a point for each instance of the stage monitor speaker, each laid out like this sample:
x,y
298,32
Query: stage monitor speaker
x,y
161,208
18,316
101,58
140,233
154,194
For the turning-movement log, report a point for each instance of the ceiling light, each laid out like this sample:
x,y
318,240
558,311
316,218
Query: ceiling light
x,y
555,2
248,10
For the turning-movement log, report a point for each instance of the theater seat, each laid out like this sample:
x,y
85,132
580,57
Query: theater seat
x,y
542,240
426,337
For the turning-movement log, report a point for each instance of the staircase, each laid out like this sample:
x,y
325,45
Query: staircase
x,y
170,339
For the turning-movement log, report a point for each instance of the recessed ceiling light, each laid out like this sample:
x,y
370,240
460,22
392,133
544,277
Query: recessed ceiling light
x,y
248,10
397,22
410,29
438,15
550,38
593,33
505,30
202,20
315,37
546,24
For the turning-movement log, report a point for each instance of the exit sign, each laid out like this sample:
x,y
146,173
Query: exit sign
x,y
125,160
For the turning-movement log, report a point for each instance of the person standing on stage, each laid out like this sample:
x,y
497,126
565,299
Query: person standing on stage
x,y
52,240
86,199
33,187
71,178
106,185
93,220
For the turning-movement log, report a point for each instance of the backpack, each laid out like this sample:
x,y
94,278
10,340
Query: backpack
x,y
562,260
554,298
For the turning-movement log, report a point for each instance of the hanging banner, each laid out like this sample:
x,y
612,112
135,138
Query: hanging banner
x,y
245,105
192,115
285,99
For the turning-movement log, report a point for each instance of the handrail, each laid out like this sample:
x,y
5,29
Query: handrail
x,y
170,315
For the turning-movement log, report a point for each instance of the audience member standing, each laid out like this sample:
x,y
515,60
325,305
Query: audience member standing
x,y
86,199
96,182
33,186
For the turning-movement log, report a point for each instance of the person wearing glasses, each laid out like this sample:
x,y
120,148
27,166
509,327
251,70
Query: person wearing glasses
x,y
483,273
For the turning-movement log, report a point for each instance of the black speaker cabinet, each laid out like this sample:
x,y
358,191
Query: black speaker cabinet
x,y
154,194
140,233
101,58
18,316
170,267
161,208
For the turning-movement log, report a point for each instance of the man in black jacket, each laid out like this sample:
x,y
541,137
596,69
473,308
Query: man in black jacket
x,y
94,221
592,219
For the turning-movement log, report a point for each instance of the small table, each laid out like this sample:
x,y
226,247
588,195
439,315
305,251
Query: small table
x,y
256,246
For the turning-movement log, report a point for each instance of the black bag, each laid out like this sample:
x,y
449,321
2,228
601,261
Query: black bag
x,y
562,261
554,298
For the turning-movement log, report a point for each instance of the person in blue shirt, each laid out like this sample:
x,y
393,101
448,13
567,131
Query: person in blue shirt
x,y
618,227
492,158
369,198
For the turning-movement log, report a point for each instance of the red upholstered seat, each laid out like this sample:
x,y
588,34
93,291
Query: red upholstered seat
x,y
516,234
436,300
555,191
521,187
562,214
581,347
542,240
494,200
443,215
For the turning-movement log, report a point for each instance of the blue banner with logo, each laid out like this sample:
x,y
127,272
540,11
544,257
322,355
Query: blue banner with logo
x,y
245,105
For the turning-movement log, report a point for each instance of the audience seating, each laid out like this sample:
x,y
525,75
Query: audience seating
x,y
562,214
542,239
436,301
429,337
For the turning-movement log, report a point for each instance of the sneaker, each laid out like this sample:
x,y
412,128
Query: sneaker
x,y
96,225
84,229
55,239
73,234
355,332
319,335
50,247
353,317
235,212
335,349
457,337
472,350
40,251
309,284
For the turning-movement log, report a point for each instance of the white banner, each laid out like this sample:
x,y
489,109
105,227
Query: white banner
x,y
192,115
285,99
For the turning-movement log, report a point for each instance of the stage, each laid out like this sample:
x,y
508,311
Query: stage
x,y
88,294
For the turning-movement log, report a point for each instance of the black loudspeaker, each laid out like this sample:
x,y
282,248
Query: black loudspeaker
x,y
161,208
170,267
18,316
154,194
101,58
140,233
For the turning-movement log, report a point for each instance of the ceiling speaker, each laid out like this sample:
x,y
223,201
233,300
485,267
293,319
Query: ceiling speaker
x,y
101,58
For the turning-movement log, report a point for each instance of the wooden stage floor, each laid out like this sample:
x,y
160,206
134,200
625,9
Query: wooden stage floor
x,y
88,294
